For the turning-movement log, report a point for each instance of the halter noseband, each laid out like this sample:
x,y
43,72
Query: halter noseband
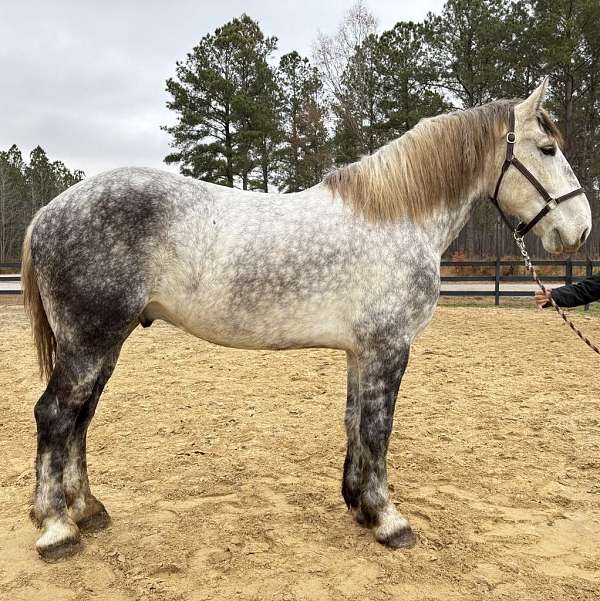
x,y
551,203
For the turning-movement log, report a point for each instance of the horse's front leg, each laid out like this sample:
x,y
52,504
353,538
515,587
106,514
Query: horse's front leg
x,y
381,368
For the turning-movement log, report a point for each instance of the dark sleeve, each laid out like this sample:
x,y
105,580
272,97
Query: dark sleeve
x,y
582,293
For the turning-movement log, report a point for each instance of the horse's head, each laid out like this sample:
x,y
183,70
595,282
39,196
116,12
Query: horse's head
x,y
537,183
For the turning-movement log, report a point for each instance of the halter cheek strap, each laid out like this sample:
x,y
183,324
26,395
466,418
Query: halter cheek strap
x,y
551,203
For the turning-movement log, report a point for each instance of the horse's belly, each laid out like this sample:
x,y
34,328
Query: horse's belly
x,y
269,326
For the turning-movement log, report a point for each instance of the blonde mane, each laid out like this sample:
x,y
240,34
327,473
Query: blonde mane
x,y
433,164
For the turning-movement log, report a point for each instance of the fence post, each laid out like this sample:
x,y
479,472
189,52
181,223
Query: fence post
x,y
497,282
588,273
568,272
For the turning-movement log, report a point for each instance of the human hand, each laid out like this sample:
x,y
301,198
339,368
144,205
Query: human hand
x,y
542,298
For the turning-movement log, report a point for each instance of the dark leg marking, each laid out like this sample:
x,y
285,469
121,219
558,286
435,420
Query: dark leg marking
x,y
352,469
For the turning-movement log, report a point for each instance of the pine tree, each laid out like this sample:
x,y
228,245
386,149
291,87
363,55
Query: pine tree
x,y
41,180
467,44
13,196
224,95
23,190
357,130
408,78
265,123
571,53
304,154
520,54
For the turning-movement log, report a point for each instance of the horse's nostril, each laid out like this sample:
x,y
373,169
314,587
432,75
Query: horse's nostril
x,y
584,235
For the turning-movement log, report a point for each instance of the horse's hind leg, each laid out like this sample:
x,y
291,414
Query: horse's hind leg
x,y
83,507
381,371
56,412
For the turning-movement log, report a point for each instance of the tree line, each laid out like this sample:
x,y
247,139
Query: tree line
x,y
25,188
244,119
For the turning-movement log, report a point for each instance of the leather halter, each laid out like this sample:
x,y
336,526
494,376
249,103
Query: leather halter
x,y
551,203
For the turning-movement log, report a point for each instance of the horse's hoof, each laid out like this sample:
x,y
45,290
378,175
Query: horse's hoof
x,y
60,550
95,522
89,515
404,538
59,539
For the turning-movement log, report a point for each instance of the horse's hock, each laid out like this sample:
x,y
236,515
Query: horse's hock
x,y
222,470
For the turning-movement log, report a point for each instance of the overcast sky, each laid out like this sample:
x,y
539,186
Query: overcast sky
x,y
85,80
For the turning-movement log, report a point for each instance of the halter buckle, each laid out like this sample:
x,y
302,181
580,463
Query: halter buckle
x,y
551,204
511,137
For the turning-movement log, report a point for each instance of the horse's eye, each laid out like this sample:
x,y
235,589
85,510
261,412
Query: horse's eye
x,y
549,150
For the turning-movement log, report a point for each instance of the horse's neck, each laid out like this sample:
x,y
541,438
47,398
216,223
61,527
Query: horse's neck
x,y
445,225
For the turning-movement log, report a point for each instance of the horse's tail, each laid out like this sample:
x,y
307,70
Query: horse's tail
x,y
43,336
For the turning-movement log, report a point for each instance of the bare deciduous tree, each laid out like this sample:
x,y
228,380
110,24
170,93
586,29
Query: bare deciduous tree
x,y
335,54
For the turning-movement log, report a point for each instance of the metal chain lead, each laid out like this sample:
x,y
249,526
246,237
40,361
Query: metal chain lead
x,y
529,266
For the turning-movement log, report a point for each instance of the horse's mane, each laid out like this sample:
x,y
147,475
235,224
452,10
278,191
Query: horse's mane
x,y
434,163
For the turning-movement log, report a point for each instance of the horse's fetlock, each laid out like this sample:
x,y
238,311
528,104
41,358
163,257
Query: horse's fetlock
x,y
369,514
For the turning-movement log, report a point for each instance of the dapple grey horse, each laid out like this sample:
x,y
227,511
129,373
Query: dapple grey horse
x,y
351,264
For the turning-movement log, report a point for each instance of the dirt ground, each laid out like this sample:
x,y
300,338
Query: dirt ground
x,y
221,470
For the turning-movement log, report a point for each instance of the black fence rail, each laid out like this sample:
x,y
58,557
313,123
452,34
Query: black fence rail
x,y
566,277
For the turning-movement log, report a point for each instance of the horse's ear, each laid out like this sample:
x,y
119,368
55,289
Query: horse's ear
x,y
536,98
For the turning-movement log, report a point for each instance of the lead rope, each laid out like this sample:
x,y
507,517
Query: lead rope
x,y
529,266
